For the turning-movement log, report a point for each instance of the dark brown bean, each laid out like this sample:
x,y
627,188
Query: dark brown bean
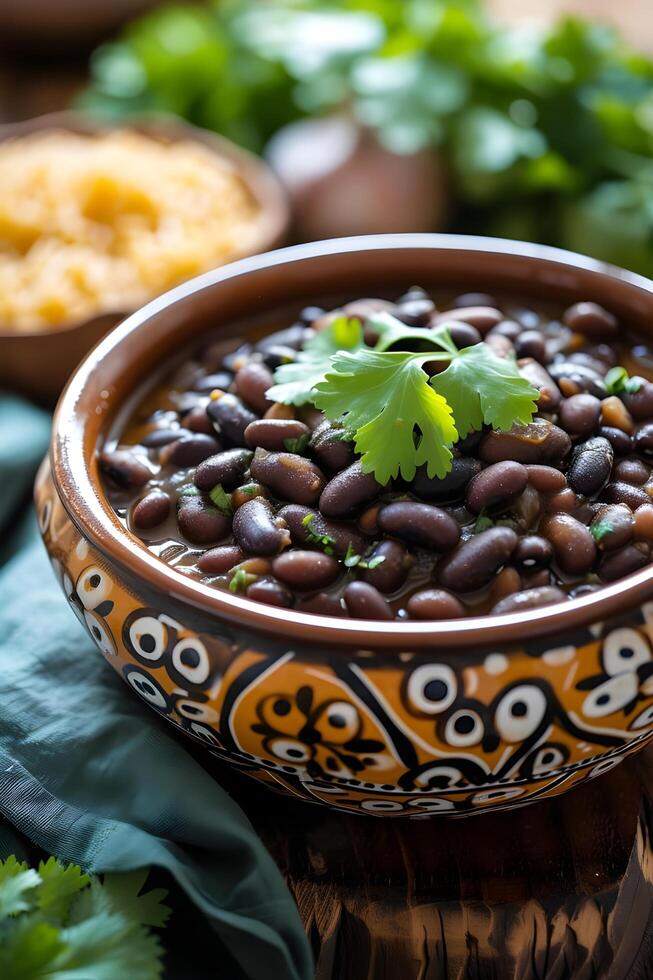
x,y
625,493
161,437
255,530
573,545
540,378
198,421
230,417
226,468
590,466
366,602
308,526
640,403
289,476
612,526
124,468
451,487
434,604
218,561
591,320
190,450
150,510
333,451
496,484
200,522
252,382
347,490
643,441
481,317
532,552
464,335
643,518
476,561
546,479
545,595
391,573
620,441
531,343
572,379
420,524
306,571
209,382
538,442
627,560
632,471
277,435
269,591
580,414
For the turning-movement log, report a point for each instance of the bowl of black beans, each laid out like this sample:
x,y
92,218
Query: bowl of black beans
x,y
373,519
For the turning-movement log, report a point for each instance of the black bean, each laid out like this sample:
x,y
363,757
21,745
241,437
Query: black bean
x,y
573,545
572,379
230,417
591,320
151,510
531,343
620,441
632,471
252,382
483,318
545,595
124,468
612,526
276,435
532,552
451,487
366,602
306,571
496,484
640,403
308,526
473,299
434,604
538,442
590,466
580,414
476,561
161,437
191,450
540,378
332,449
289,476
200,522
546,479
420,524
625,493
209,382
347,490
255,530
625,561
391,573
269,591
415,312
220,560
464,335
227,468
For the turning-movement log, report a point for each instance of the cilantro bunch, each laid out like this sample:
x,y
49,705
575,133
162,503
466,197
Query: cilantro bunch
x,y
57,923
399,416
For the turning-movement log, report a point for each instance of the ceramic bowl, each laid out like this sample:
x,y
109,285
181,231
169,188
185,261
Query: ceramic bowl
x,y
394,719
39,362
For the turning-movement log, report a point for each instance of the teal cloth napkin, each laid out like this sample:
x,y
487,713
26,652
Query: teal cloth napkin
x,y
89,775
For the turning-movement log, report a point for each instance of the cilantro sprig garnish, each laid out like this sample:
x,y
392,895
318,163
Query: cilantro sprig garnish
x,y
398,416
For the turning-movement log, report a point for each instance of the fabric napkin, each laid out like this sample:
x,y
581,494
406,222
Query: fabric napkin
x,y
88,774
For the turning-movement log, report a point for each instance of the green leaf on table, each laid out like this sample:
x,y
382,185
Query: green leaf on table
x,y
295,383
482,388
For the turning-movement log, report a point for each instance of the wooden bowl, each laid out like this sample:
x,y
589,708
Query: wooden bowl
x,y
39,362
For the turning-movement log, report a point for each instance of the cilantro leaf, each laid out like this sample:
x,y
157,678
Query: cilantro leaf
x,y
483,388
398,421
295,383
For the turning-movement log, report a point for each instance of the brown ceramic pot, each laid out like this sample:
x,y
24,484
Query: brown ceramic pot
x,y
39,362
394,718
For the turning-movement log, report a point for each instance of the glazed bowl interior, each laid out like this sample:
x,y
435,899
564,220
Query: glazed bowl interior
x,y
265,292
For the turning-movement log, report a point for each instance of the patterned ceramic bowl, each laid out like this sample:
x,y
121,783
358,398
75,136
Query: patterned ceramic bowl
x,y
394,719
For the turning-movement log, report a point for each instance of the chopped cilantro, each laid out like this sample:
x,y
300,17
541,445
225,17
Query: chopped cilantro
x,y
240,580
221,500
618,381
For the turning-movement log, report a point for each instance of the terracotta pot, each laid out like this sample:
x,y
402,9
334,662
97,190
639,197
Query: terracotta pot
x,y
39,362
395,718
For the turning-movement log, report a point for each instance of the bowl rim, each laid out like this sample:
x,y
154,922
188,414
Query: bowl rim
x,y
257,175
89,510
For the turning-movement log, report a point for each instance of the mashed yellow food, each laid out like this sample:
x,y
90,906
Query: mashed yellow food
x,y
103,223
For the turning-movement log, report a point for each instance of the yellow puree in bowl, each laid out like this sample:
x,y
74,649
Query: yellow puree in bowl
x,y
92,224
